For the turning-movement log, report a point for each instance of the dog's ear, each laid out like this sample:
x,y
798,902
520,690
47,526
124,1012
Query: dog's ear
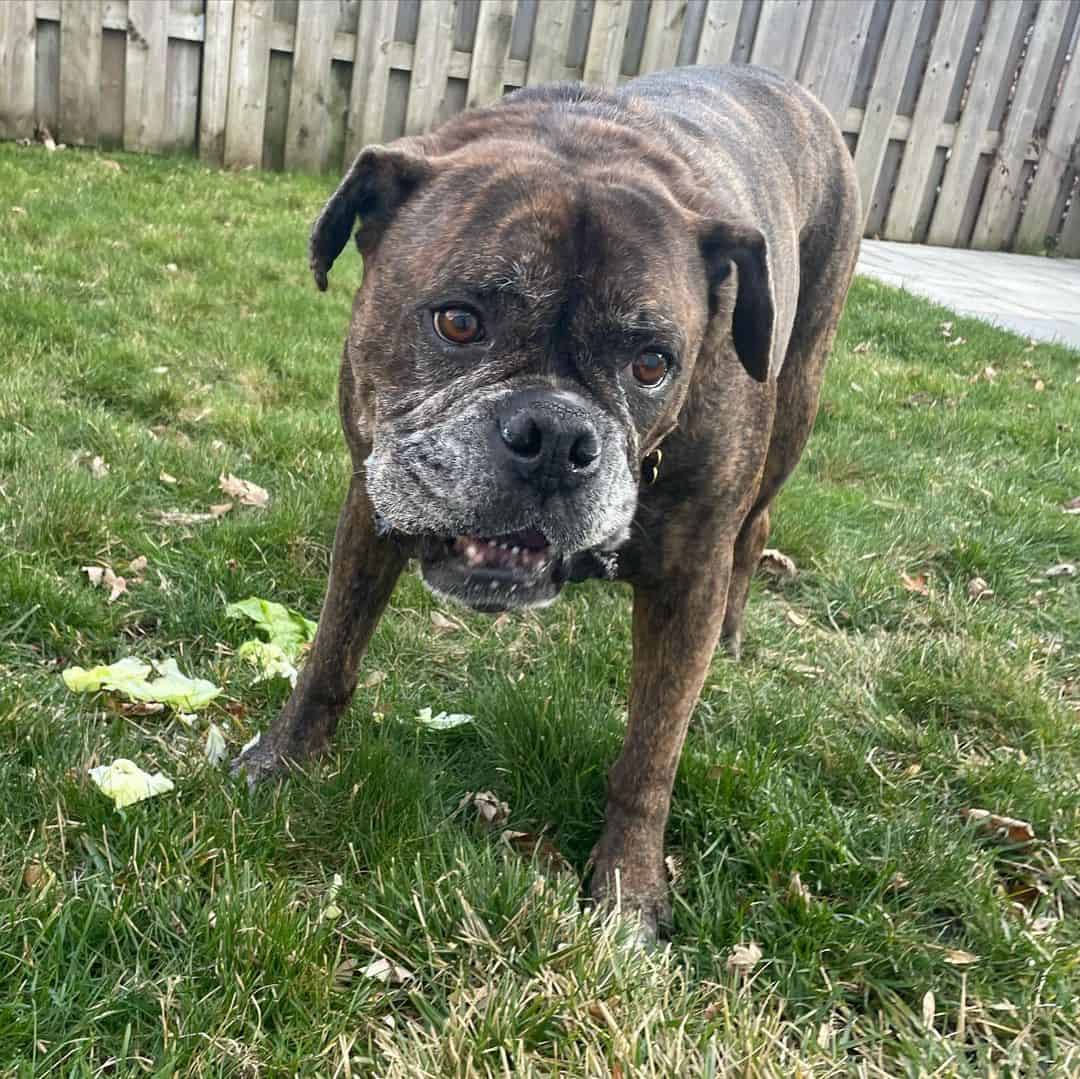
x,y
380,180
753,325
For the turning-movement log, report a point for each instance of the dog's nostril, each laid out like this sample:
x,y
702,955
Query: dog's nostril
x,y
522,435
585,450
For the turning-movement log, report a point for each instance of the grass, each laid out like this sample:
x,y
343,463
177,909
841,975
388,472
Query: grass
x,y
160,316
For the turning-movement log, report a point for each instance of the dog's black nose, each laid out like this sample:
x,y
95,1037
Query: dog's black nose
x,y
548,438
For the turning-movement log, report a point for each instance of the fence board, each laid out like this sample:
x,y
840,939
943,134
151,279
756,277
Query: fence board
x,y
719,31
884,96
18,50
911,194
490,51
1049,188
431,65
1005,187
603,58
145,68
307,133
830,65
551,37
1069,240
663,32
80,70
780,36
111,101
214,92
371,74
249,69
1002,39
181,131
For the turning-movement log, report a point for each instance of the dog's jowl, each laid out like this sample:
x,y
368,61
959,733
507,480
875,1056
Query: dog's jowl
x,y
589,341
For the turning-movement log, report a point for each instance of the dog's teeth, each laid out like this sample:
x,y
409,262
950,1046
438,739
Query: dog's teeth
x,y
515,550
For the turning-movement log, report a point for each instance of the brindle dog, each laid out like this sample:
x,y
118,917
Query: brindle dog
x,y
589,341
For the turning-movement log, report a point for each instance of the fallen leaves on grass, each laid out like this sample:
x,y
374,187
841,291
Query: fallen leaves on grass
x,y
215,749
743,958
442,722
128,677
104,575
915,584
978,588
929,1009
288,636
244,491
98,468
777,563
331,911
440,621
383,970
168,478
862,346
1062,569
177,517
488,808
537,847
1008,829
126,783
374,679
798,894
1072,506
796,619
957,957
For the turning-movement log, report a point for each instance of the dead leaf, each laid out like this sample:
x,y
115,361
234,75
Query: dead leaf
x,y
99,575
957,957
114,165
536,846
440,621
916,584
33,875
946,329
343,973
18,210
912,770
797,893
171,267
1009,829
777,563
166,478
176,517
1062,569
743,958
795,618
1072,506
244,491
95,573
382,970
897,882
673,865
862,346
989,373
977,588
137,569
929,1009
374,679
1039,385
140,708
219,509
98,468
488,807
957,341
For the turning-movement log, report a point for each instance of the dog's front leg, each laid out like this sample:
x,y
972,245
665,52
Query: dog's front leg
x,y
676,627
363,570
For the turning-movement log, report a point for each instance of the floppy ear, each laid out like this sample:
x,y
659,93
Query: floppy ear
x,y
753,325
380,180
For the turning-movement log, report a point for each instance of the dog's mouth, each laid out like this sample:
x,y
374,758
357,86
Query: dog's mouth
x,y
494,573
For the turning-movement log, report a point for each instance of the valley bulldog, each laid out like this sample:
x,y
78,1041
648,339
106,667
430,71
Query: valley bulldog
x,y
589,342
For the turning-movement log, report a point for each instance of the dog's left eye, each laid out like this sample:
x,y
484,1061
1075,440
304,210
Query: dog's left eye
x,y
458,325
650,368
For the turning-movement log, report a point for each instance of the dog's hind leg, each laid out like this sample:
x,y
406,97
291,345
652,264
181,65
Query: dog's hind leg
x,y
751,541
363,571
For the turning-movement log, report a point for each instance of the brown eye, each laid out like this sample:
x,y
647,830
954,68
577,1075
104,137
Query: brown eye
x,y
650,368
458,325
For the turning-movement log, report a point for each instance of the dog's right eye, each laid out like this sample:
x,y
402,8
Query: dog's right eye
x,y
458,325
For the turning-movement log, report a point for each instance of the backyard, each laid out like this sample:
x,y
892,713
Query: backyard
x,y
837,911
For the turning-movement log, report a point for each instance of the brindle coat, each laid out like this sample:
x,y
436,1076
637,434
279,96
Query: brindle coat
x,y
712,210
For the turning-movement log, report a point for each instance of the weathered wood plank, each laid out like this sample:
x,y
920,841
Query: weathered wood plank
x,y
885,96
603,58
111,101
1049,188
781,34
912,184
547,58
145,68
431,65
1001,44
18,49
663,33
491,50
185,25
307,134
1068,243
181,132
214,92
80,70
830,62
719,31
371,73
1005,185
249,68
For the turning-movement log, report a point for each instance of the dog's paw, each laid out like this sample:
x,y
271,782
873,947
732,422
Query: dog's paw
x,y
635,889
259,763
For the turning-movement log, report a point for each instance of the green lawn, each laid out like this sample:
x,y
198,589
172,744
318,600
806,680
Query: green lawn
x,y
160,316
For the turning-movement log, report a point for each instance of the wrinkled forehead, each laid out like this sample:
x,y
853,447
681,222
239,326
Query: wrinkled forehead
x,y
618,245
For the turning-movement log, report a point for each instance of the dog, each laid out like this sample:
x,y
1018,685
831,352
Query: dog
x,y
589,342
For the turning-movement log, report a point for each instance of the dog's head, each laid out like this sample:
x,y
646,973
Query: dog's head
x,y
524,332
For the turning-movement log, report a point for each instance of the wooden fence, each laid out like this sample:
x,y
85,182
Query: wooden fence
x,y
963,116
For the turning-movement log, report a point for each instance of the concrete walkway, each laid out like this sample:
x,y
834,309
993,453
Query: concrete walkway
x,y
1034,296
